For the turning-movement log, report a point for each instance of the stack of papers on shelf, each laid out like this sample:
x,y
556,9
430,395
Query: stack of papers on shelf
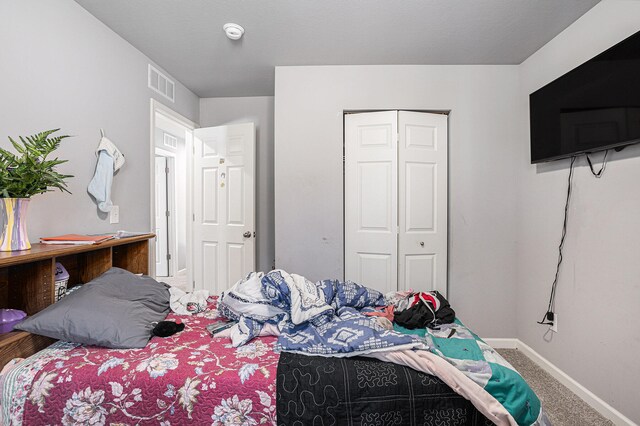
x,y
129,234
76,239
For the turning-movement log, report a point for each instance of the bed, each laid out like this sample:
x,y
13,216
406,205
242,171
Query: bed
x,y
331,363
191,378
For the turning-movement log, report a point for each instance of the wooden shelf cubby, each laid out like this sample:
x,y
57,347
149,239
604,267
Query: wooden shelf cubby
x,y
27,280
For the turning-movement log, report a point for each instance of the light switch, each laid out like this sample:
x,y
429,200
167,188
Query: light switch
x,y
114,214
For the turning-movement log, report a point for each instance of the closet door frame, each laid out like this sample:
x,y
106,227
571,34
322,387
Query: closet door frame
x,y
419,256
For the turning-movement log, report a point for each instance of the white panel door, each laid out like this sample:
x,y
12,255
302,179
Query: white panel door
x,y
224,205
422,201
371,199
162,223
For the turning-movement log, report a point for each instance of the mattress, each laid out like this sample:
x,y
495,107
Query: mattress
x,y
188,378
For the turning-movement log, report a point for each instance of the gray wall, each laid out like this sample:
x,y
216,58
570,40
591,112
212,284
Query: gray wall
x,y
484,126
598,295
61,67
259,110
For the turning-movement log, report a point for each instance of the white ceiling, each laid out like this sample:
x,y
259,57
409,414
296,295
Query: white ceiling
x,y
185,36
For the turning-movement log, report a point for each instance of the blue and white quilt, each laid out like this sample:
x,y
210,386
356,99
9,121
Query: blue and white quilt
x,y
321,318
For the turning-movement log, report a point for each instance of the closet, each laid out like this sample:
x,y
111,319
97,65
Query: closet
x,y
395,200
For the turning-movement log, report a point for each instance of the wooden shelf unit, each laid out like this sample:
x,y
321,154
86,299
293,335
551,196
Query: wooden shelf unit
x,y
27,280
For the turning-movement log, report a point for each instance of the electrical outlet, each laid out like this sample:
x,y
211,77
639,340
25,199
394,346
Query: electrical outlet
x,y
114,214
554,327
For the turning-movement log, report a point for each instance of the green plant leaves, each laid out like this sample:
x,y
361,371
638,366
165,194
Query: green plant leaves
x,y
30,171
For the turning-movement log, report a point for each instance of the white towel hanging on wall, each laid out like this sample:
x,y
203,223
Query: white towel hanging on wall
x,y
110,160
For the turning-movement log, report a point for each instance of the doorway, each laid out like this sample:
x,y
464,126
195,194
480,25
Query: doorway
x,y
164,207
203,200
171,189
395,200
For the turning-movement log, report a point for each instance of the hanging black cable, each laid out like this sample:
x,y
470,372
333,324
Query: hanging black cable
x,y
604,164
548,316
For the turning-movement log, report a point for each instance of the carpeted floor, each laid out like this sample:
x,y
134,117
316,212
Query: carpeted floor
x,y
563,407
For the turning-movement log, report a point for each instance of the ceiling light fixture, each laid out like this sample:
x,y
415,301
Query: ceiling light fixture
x,y
233,31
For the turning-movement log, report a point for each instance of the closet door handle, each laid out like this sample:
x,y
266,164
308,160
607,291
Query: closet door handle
x,y
421,243
247,234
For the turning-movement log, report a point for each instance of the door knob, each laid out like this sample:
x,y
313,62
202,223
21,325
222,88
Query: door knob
x,y
421,243
247,234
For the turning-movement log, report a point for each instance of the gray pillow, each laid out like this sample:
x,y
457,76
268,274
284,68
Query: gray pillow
x,y
116,310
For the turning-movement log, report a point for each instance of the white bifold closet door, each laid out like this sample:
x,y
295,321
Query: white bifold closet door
x,y
396,200
371,199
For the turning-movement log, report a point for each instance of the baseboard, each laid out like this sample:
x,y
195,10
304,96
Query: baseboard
x,y
589,397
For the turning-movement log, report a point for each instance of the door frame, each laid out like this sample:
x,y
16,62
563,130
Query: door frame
x,y
172,228
446,112
156,107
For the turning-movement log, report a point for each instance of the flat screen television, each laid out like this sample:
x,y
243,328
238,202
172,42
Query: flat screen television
x,y
594,107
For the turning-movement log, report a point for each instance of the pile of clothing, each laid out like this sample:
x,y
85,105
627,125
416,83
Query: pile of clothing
x,y
183,303
329,317
414,310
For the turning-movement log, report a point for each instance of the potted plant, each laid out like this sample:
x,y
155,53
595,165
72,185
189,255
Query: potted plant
x,y
22,175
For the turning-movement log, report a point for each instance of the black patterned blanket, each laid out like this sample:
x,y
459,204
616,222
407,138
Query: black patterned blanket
x,y
313,390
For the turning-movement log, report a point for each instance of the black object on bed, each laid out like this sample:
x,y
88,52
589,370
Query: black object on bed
x,y
313,390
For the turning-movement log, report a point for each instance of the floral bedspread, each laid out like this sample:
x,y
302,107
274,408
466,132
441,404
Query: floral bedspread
x,y
188,378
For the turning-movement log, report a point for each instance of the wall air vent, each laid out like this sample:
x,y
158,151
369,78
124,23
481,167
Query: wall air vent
x,y
170,141
160,83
